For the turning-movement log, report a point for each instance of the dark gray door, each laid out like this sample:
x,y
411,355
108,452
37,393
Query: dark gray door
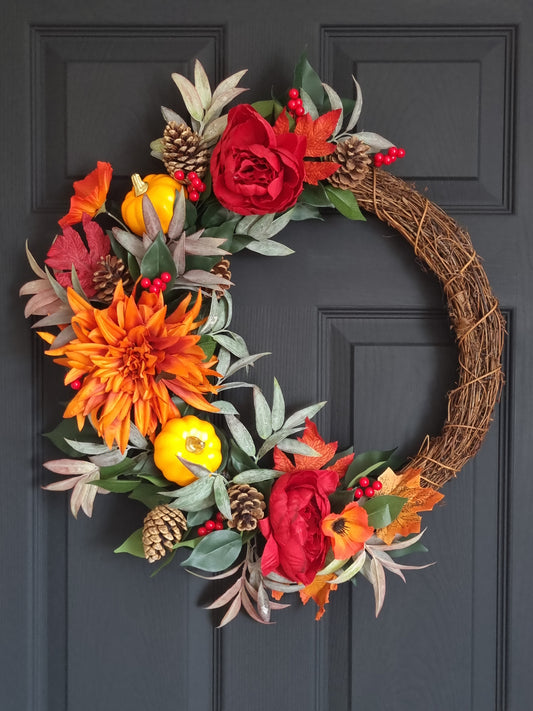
x,y
350,318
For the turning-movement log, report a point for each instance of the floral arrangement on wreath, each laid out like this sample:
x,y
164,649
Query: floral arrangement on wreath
x,y
144,314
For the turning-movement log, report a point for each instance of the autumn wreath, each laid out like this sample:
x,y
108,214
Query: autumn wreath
x,y
144,314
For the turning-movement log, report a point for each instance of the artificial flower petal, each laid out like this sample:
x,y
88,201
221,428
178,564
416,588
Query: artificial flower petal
x,y
89,194
348,530
319,591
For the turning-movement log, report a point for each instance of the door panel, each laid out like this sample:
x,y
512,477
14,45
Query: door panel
x,y
349,318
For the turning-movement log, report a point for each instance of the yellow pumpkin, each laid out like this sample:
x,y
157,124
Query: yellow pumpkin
x,y
189,438
161,189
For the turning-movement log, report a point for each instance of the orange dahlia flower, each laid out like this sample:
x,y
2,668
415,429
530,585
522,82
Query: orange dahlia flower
x,y
348,530
127,357
89,195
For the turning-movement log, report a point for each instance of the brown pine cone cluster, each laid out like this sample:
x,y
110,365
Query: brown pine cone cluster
x,y
163,527
354,160
184,149
247,507
109,272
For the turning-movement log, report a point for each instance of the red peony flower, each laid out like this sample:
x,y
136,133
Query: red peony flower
x,y
296,546
255,170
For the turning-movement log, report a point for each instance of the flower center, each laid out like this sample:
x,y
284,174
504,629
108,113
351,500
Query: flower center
x,y
339,526
194,445
138,361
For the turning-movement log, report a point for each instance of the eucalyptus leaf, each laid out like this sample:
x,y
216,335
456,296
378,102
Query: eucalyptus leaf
x,y
224,360
352,569
197,518
190,96
270,248
374,140
222,498
87,447
242,363
117,486
300,416
234,346
195,496
201,83
241,435
294,446
197,469
263,416
308,104
356,113
170,115
335,102
278,407
225,407
215,552
253,476
275,438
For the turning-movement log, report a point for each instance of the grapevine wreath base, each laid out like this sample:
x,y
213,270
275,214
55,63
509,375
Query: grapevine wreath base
x,y
144,313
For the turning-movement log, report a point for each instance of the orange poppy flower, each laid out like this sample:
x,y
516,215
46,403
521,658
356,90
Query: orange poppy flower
x,y
348,530
89,195
128,356
319,590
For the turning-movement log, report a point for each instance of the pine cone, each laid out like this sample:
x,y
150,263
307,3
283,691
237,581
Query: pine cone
x,y
247,507
183,149
222,269
109,272
163,527
354,160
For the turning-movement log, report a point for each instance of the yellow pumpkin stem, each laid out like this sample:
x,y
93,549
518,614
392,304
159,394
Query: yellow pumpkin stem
x,y
139,185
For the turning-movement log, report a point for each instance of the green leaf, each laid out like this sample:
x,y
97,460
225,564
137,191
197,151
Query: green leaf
x,y
195,496
278,407
215,552
253,476
344,201
117,486
302,212
127,465
315,195
270,248
240,461
133,545
383,509
68,429
365,463
306,78
158,481
339,499
241,435
264,108
197,518
232,345
299,417
417,547
214,215
158,259
133,267
148,495
263,416
221,497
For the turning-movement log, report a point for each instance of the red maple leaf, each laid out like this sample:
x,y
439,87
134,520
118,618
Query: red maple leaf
x,y
317,132
69,250
326,451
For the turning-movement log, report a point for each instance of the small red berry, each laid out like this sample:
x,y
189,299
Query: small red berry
x,y
299,102
219,517
192,175
163,287
157,282
364,482
300,111
401,152
377,485
196,182
166,277
194,195
200,187
145,283
369,491
359,493
219,526
210,525
179,175
292,104
392,151
378,158
153,289
293,93
202,531
387,160
76,384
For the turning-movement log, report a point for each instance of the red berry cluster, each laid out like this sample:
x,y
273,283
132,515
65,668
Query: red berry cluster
x,y
367,488
210,525
387,158
295,104
196,185
154,286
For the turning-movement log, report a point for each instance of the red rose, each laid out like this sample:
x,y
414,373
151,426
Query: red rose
x,y
296,546
256,171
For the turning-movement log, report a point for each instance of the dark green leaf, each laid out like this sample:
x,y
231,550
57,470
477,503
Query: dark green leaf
x,y
215,552
306,78
339,499
240,461
158,481
125,466
265,108
383,510
158,259
117,486
302,212
118,250
68,429
363,462
197,518
133,267
215,215
133,545
166,560
315,195
208,345
344,201
191,216
148,495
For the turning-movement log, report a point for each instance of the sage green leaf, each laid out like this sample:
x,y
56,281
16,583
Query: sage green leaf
x,y
212,318
109,458
225,407
68,429
215,129
87,447
224,360
270,248
245,224
197,518
253,476
229,83
301,212
215,552
198,470
242,363
231,344
76,285
352,569
307,79
190,96
278,407
354,118
374,140
294,446
148,495
127,465
158,259
239,460
263,416
276,438
344,201
219,102
195,496
170,115
300,416
201,83
133,544
315,195
241,435
59,290
383,509
308,104
260,229
221,497
335,102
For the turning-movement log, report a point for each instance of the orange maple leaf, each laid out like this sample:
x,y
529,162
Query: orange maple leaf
x,y
315,170
302,461
282,123
319,590
418,499
317,132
